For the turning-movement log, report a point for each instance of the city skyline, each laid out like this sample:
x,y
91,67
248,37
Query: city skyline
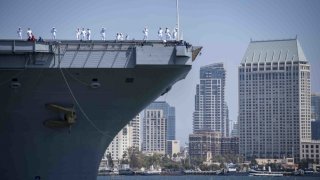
x,y
224,28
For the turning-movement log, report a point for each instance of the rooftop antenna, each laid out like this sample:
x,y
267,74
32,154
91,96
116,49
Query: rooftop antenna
x,y
178,20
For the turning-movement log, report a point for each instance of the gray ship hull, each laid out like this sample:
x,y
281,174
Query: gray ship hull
x,y
29,148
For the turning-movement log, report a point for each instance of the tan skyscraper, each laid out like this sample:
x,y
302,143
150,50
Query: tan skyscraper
x,y
274,99
154,131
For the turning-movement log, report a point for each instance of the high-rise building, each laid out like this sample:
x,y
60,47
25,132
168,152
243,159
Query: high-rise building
x,y
154,131
274,99
169,113
211,111
226,119
311,149
315,106
315,130
128,137
135,124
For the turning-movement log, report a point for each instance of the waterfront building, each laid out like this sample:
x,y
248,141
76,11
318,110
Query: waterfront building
x,y
128,136
311,150
154,131
286,163
169,113
274,99
229,145
211,111
203,142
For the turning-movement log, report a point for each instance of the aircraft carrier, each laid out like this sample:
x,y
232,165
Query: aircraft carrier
x,y
62,102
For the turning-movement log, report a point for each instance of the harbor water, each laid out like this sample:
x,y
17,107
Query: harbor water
x,y
204,178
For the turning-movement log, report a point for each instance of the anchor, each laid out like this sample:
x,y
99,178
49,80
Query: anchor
x,y
69,117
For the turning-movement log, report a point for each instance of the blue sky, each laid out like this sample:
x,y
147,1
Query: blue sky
x,y
222,27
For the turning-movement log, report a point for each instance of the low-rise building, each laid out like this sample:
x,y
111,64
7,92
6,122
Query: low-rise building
x,y
310,150
229,145
173,147
202,142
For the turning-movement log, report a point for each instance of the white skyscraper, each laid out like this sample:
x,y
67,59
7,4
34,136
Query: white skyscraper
x,y
274,99
136,138
211,110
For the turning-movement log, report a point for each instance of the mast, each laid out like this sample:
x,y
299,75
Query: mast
x,y
178,19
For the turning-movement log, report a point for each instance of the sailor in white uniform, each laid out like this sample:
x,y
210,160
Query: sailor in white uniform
x,y
145,33
168,35
83,34
29,33
54,32
19,32
175,34
121,37
78,32
88,34
103,34
160,33
118,36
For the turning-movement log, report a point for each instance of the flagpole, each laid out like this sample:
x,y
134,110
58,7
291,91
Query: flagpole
x,y
178,19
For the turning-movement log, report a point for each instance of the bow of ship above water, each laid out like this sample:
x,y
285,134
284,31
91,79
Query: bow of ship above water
x,y
62,102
